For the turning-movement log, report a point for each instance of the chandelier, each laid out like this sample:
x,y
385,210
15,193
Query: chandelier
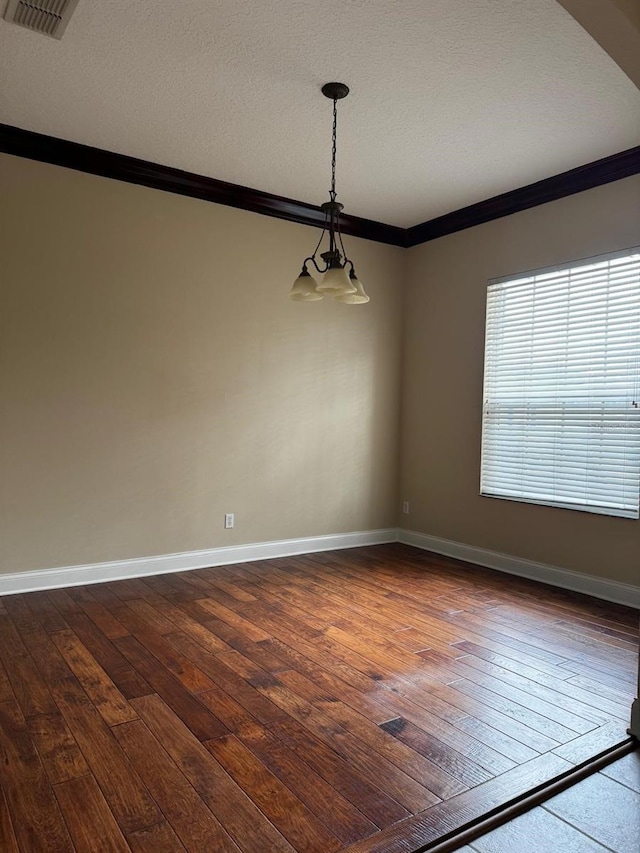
x,y
333,279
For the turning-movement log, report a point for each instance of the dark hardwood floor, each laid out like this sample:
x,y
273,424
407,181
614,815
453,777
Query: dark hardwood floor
x,y
370,700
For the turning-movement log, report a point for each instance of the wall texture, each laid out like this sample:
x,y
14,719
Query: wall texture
x,y
443,373
153,376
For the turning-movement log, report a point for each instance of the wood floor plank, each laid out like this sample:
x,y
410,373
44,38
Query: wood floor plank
x,y
414,796
366,697
242,820
453,735
186,624
546,734
8,840
601,636
505,735
288,814
490,720
616,695
297,621
105,696
299,651
89,819
513,639
124,590
185,810
537,700
589,704
192,678
593,743
226,679
6,691
261,654
149,611
359,789
57,748
231,617
598,671
63,602
128,798
342,818
510,653
155,839
36,818
104,621
448,759
575,646
199,718
22,616
162,584
419,830
46,612
46,656
128,681
233,590
227,709
414,764
226,633
28,686
580,643
321,667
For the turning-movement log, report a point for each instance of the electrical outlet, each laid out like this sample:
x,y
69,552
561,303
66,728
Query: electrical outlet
x,y
405,507
229,520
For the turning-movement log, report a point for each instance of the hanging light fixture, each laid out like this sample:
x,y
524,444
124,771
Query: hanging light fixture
x,y
338,273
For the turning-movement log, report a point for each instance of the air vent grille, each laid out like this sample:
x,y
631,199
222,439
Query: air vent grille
x,y
49,17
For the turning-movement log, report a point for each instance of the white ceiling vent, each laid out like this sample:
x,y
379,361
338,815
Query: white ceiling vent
x,y
49,17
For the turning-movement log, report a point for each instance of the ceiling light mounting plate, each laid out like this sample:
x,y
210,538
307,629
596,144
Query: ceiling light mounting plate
x,y
335,91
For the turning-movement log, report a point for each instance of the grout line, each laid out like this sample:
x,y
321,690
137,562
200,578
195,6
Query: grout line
x,y
577,828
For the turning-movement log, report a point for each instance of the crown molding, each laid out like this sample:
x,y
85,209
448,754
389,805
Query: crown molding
x,y
613,168
121,167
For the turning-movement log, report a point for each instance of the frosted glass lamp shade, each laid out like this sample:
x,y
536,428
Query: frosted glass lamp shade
x,y
305,288
335,282
358,297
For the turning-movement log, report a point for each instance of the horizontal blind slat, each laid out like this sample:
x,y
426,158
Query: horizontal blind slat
x,y
561,423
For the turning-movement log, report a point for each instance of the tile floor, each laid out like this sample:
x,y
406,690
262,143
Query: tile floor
x,y
601,814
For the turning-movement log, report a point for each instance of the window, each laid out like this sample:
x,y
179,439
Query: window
x,y
561,418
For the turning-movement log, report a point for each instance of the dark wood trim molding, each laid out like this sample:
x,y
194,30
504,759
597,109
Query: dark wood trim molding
x,y
586,177
95,161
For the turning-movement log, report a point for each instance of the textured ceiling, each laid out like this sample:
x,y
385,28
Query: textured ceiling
x,y
453,101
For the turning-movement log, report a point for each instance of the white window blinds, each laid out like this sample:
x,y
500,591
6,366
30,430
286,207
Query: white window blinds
x,y
561,420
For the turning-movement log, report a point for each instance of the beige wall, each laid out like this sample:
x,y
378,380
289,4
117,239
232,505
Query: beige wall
x,y
155,376
442,384
615,25
631,8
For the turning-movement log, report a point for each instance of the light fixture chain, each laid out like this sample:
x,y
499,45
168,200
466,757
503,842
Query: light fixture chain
x,y
333,150
338,273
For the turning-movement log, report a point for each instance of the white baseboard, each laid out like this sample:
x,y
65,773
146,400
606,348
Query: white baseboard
x,y
609,590
39,579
